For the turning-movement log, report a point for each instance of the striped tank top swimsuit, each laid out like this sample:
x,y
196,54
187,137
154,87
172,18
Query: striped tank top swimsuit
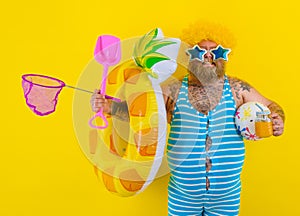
x,y
205,155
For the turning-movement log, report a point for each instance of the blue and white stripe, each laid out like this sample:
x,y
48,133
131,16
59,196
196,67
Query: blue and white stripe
x,y
186,152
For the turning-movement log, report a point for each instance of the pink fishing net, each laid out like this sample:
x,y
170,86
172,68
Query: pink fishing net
x,y
41,92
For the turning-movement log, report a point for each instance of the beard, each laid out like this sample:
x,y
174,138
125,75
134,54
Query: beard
x,y
206,74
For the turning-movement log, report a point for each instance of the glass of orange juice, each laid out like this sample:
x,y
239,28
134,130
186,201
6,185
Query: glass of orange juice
x,y
263,124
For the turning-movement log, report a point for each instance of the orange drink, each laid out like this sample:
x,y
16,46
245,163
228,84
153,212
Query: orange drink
x,y
263,129
263,124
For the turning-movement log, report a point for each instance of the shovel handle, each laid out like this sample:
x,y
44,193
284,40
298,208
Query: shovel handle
x,y
99,115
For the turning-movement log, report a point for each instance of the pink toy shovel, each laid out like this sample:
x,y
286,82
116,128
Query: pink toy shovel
x,y
108,53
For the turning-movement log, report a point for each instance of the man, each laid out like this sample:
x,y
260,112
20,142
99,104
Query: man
x,y
205,151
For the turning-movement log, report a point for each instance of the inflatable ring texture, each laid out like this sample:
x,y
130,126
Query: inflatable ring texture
x,y
138,143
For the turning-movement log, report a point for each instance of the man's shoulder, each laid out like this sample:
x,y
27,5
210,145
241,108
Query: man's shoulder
x,y
233,80
239,88
172,82
238,83
171,87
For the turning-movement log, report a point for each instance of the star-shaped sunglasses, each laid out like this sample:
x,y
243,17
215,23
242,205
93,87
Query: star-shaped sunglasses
x,y
198,53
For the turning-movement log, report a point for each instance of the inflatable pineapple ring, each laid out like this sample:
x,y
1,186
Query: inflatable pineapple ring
x,y
135,147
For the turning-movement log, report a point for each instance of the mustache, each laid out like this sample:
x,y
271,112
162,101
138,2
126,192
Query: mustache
x,y
206,74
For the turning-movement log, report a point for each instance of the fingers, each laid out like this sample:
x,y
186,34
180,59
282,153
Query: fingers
x,y
97,101
277,130
274,116
278,125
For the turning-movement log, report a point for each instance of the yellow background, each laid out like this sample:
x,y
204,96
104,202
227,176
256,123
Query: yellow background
x,y
43,170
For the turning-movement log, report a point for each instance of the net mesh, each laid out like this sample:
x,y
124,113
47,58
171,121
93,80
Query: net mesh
x,y
41,92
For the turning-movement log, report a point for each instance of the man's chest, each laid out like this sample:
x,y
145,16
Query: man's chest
x,y
206,98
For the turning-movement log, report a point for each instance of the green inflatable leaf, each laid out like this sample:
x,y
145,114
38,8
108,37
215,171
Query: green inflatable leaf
x,y
145,51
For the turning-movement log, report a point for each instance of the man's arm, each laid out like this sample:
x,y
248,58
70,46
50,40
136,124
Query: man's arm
x,y
170,91
117,109
244,93
120,110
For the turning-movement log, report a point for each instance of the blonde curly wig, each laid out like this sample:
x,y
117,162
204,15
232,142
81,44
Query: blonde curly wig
x,y
204,30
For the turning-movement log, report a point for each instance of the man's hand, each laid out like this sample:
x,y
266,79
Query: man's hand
x,y
277,117
278,124
99,101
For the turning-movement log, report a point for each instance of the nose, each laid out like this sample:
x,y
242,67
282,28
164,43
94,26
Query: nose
x,y
208,55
